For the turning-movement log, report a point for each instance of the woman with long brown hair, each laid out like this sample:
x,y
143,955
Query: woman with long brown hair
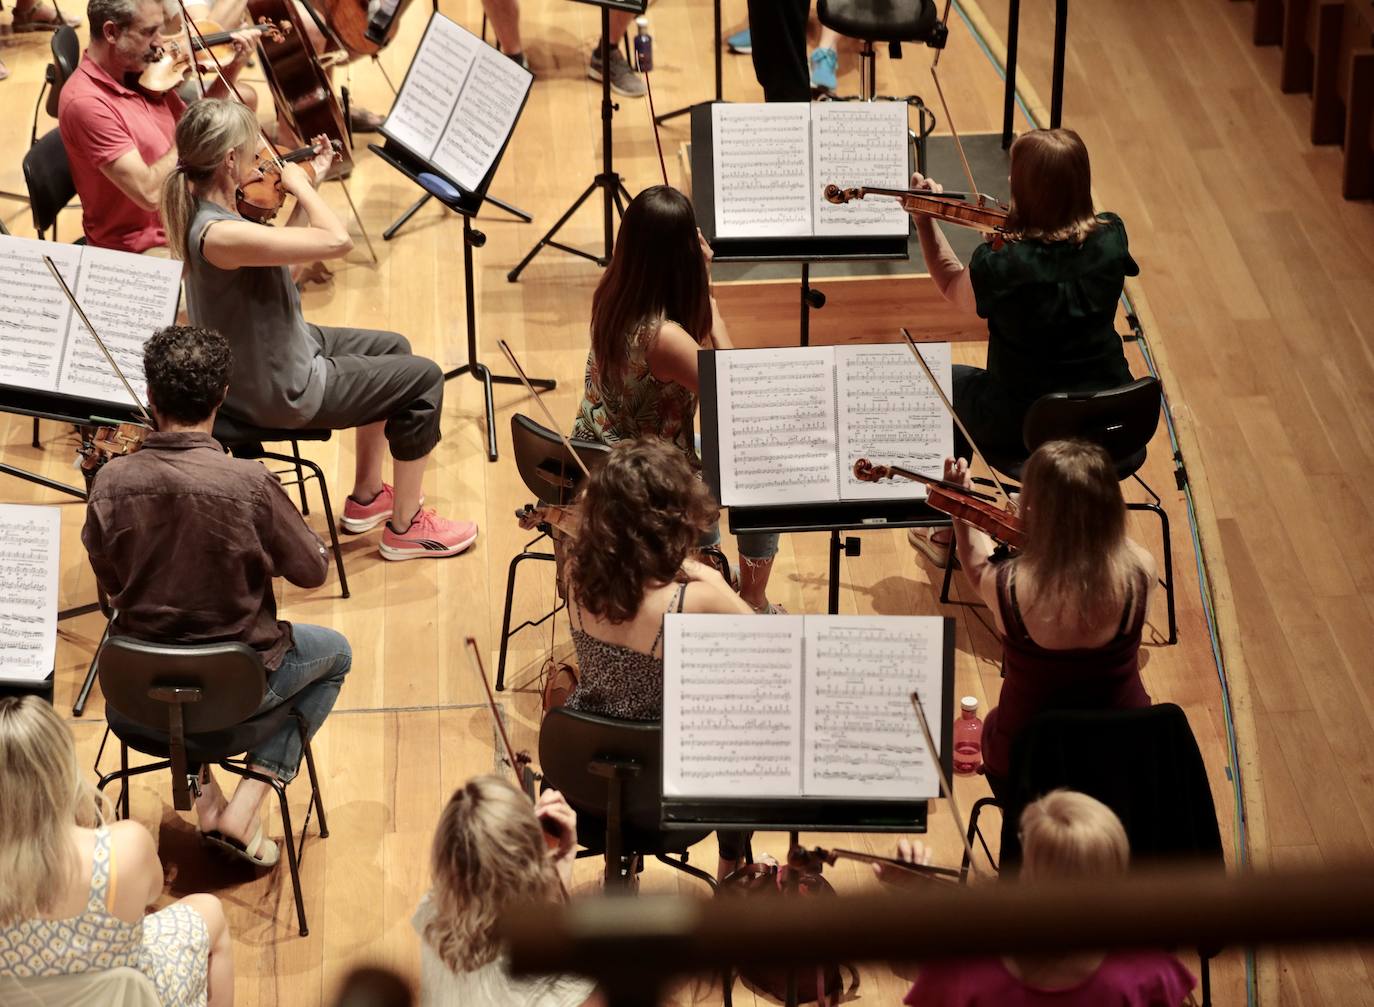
x,y
1070,607
651,313
1049,295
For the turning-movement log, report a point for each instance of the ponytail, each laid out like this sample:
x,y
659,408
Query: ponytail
x,y
207,132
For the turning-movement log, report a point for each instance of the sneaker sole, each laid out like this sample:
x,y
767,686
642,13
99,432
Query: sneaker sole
x,y
595,75
356,526
399,555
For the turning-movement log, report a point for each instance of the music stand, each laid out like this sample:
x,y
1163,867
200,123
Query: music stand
x,y
608,181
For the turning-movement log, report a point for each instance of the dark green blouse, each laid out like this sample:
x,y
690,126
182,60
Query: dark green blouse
x,y
1051,309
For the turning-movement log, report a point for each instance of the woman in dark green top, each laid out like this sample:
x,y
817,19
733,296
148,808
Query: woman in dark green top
x,y
1049,295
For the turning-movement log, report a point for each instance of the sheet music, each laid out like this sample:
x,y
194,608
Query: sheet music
x,y
890,414
855,144
862,737
34,315
761,158
127,298
438,72
731,715
487,107
776,412
29,541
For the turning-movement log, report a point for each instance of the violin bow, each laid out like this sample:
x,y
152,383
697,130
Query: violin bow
x,y
76,306
949,408
553,423
945,784
475,662
944,105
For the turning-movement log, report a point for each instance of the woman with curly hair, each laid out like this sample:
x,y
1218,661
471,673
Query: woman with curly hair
x,y
489,853
651,313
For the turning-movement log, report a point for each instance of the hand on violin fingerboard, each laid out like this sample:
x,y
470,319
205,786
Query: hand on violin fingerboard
x,y
956,472
909,851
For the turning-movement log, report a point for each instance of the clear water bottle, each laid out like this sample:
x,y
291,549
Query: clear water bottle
x,y
968,738
644,46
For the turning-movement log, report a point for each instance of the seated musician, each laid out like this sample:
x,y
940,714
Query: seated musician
x,y
185,540
488,854
1070,607
651,313
641,515
1050,297
78,884
1064,836
288,373
119,138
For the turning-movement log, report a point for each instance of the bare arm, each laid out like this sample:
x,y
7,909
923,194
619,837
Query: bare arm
x,y
948,272
974,547
720,335
709,592
139,180
673,356
233,244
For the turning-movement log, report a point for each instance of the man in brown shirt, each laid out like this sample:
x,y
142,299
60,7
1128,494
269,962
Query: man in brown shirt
x,y
185,540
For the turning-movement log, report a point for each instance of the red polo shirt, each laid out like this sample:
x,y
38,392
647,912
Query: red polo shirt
x,y
101,119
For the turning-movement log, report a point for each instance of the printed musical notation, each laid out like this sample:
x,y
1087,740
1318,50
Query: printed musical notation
x,y
458,104
762,162
892,416
43,344
731,707
800,706
856,144
862,739
777,426
28,591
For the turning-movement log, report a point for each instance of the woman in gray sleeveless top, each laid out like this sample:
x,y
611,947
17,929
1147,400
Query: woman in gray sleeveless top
x,y
287,373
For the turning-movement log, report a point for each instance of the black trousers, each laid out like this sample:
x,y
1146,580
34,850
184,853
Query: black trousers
x,y
777,30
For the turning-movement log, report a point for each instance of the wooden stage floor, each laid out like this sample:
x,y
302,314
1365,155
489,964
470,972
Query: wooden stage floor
x,y
1259,283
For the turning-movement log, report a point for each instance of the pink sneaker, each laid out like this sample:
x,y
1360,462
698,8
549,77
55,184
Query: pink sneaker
x,y
428,537
358,518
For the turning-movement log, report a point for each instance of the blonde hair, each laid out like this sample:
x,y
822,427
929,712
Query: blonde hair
x,y
1066,834
1077,562
1051,187
489,853
208,131
42,795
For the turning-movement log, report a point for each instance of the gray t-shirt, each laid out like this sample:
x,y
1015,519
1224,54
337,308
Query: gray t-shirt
x,y
279,367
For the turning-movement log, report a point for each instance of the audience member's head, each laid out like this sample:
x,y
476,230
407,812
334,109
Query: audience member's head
x,y
187,371
1051,186
1067,835
489,853
43,794
642,512
657,272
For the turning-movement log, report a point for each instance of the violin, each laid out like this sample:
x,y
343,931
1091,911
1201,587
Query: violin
x,y
172,61
109,442
969,506
261,199
801,858
983,214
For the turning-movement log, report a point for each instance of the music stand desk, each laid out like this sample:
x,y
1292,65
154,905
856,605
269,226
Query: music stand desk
x,y
71,409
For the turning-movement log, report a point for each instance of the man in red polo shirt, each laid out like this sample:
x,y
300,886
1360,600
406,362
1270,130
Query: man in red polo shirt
x,y
119,138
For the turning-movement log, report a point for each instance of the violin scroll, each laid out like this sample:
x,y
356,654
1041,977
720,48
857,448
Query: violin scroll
x,y
866,472
834,194
110,442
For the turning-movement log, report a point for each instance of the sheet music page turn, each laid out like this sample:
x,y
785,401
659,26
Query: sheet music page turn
x,y
776,412
891,415
29,541
127,298
862,739
761,157
731,719
856,144
34,315
436,75
486,113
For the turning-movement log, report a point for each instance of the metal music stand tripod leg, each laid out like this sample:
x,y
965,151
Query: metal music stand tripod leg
x,y
660,120
608,181
415,208
473,238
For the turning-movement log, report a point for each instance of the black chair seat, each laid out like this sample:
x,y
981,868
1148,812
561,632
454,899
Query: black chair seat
x,y
232,431
208,747
880,20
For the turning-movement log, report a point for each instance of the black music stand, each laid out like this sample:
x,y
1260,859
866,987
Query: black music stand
x,y
613,191
466,205
805,250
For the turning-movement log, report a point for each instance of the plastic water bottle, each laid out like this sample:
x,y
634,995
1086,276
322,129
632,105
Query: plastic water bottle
x,y
968,738
644,46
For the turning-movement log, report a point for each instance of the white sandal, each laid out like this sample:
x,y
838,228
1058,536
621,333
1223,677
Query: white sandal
x,y
258,851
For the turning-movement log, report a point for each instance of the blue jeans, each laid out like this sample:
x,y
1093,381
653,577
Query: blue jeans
x,y
753,545
308,680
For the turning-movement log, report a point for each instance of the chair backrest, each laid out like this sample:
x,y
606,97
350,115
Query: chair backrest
x,y
1144,764
571,741
66,56
229,677
49,180
880,20
122,987
1122,420
546,466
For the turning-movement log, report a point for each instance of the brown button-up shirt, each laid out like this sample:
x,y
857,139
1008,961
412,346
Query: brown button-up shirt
x,y
185,541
